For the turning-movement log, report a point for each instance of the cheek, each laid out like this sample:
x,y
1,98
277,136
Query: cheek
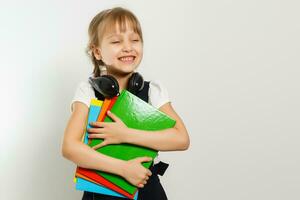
x,y
141,54
140,57
110,54
139,48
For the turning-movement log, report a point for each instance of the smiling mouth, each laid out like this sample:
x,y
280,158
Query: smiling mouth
x,y
127,59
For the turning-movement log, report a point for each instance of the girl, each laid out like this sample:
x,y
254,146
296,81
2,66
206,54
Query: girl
x,y
116,47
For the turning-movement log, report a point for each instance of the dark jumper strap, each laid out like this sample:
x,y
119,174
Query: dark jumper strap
x,y
160,168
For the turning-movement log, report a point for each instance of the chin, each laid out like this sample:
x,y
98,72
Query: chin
x,y
122,72
128,69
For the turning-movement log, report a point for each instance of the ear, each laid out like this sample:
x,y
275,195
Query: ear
x,y
97,53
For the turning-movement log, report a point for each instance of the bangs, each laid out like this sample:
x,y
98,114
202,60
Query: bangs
x,y
120,20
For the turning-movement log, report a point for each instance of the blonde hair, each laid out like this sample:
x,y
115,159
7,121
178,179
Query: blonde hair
x,y
105,21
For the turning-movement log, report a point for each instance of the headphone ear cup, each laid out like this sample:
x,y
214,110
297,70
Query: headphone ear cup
x,y
135,83
106,85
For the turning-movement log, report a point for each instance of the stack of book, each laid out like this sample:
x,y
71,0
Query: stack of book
x,y
135,113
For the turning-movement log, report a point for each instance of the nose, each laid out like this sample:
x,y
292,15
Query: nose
x,y
127,46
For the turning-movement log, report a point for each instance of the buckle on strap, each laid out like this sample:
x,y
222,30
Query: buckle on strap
x,y
160,168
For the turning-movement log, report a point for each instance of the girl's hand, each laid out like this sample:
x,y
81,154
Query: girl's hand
x,y
110,132
135,172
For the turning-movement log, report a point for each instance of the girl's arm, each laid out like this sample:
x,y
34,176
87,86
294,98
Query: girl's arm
x,y
171,139
86,157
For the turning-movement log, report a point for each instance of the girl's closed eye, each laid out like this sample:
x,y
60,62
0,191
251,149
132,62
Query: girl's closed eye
x,y
115,42
135,38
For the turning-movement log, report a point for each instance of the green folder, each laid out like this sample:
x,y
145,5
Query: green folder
x,y
137,114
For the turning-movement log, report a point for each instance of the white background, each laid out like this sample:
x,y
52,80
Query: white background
x,y
231,69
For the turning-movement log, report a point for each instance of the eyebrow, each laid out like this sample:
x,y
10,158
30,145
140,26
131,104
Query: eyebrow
x,y
115,34
112,35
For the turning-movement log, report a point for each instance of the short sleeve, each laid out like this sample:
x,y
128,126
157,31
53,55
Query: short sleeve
x,y
84,93
158,94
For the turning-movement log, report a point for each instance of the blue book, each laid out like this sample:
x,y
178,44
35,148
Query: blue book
x,y
85,185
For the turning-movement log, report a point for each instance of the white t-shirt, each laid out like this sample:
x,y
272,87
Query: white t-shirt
x,y
158,96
